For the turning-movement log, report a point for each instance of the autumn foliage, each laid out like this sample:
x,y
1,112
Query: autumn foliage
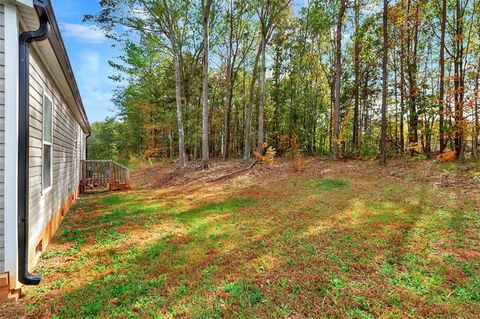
x,y
268,158
447,156
299,162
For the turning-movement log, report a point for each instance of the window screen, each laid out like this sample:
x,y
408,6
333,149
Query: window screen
x,y
47,142
47,120
47,166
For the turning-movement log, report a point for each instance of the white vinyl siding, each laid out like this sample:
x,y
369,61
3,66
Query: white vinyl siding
x,y
2,137
68,142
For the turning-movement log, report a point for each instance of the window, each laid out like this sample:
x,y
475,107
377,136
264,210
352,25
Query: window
x,y
47,143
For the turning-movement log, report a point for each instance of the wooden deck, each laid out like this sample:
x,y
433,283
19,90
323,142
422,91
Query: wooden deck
x,y
103,174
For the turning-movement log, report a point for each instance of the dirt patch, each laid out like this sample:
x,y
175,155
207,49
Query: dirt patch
x,y
160,176
466,254
12,310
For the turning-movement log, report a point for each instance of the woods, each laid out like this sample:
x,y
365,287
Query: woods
x,y
345,79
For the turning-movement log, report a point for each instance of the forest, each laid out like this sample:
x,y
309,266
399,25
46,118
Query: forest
x,y
347,79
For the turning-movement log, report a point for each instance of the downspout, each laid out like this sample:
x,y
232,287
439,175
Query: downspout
x,y
86,145
24,276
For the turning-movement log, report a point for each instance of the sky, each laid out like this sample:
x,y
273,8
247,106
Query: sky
x,y
89,52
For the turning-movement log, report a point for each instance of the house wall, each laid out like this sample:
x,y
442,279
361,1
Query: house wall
x,y
2,138
69,141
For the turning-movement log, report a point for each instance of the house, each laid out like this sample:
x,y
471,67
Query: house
x,y
43,132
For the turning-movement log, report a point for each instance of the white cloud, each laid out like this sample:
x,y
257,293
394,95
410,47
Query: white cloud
x,y
83,33
95,87
90,62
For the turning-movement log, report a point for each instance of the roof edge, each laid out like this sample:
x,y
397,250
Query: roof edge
x,y
56,40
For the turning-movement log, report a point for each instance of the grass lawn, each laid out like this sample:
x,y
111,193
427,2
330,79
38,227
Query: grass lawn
x,y
341,240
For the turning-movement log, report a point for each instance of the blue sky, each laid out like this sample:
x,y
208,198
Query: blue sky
x,y
89,52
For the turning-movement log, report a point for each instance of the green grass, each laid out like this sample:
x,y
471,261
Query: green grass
x,y
273,249
327,184
457,166
243,293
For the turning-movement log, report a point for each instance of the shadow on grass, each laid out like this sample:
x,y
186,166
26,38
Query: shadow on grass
x,y
321,249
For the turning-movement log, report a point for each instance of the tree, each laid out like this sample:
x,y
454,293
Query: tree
x,y
383,140
338,75
412,68
161,21
476,129
206,8
249,116
442,76
193,75
357,77
237,49
268,12
105,141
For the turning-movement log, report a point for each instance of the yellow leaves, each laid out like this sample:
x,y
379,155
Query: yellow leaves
x,y
268,158
415,147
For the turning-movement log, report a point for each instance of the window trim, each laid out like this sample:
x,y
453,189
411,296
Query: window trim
x,y
49,188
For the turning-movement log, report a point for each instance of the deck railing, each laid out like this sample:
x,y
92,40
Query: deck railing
x,y
97,174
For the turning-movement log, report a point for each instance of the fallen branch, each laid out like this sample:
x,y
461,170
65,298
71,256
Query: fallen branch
x,y
226,176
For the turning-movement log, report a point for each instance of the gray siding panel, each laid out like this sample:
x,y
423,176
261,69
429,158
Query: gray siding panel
x,y
2,136
68,144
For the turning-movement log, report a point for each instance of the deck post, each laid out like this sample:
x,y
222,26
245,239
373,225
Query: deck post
x,y
82,176
110,169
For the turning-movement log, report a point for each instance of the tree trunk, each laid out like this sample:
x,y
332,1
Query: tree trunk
x,y
458,96
383,142
261,104
357,79
206,24
330,120
476,130
402,88
442,77
249,116
228,110
338,75
178,96
363,121
229,88
395,85
275,96
412,73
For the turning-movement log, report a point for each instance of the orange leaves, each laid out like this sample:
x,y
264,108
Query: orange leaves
x,y
299,163
288,144
150,153
447,156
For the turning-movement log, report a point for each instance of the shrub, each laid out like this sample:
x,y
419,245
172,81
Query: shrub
x,y
268,158
299,163
447,156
